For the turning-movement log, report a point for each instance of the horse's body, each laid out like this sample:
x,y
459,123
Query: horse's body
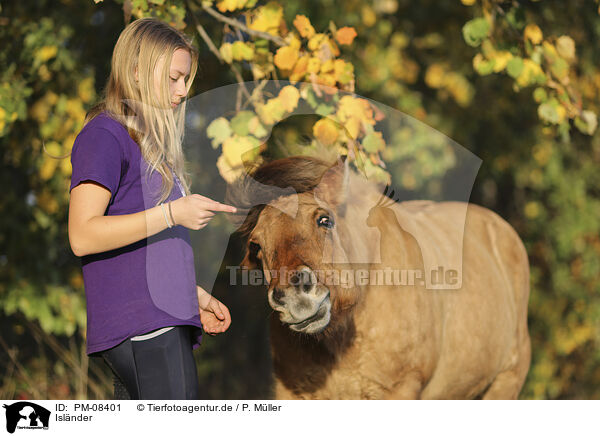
x,y
392,341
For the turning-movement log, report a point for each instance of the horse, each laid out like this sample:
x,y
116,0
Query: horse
x,y
400,339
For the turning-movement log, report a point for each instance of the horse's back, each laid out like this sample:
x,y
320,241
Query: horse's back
x,y
485,328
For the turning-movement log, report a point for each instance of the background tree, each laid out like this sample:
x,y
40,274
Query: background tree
x,y
514,82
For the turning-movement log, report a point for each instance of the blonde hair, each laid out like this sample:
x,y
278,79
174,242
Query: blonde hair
x,y
151,123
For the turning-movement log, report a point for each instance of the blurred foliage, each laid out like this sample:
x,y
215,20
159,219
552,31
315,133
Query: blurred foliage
x,y
515,82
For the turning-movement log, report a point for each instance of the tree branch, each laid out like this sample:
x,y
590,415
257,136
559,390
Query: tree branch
x,y
215,51
204,35
234,23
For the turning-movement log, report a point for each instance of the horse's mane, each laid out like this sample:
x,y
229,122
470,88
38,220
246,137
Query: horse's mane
x,y
250,194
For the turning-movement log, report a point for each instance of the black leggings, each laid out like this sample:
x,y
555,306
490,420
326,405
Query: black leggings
x,y
161,368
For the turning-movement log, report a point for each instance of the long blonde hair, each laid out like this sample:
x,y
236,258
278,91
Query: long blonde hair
x,y
152,124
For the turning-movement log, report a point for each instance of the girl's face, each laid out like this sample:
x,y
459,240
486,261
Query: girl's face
x,y
179,71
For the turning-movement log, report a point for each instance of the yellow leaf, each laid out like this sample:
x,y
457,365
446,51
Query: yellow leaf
x,y
286,57
369,17
327,79
289,96
238,149
304,27
339,66
327,66
293,41
44,73
65,167
230,5
350,107
500,60
267,18
549,50
562,113
531,70
229,174
333,47
259,71
46,52
468,2
85,89
325,131
74,108
299,69
566,47
314,43
256,128
271,112
352,126
345,35
459,87
226,52
533,33
48,166
314,65
434,76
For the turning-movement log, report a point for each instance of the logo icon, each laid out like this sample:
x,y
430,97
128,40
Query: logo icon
x,y
26,415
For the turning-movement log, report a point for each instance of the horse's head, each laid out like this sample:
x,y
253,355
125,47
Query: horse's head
x,y
304,255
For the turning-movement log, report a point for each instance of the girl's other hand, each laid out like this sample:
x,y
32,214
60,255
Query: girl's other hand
x,y
215,317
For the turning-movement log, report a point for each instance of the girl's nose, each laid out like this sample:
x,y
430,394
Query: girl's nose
x,y
180,90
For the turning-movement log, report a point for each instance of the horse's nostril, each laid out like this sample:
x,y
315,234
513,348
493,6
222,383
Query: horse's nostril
x,y
303,280
278,296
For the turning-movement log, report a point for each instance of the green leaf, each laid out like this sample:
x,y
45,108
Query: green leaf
x,y
373,142
242,51
324,109
560,68
475,31
239,123
218,130
311,99
540,95
484,66
547,112
514,67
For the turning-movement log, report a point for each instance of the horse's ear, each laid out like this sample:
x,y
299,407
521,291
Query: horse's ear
x,y
333,187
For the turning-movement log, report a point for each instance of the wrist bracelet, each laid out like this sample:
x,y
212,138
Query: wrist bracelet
x,y
162,206
171,213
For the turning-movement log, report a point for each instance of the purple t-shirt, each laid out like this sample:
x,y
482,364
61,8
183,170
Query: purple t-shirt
x,y
146,285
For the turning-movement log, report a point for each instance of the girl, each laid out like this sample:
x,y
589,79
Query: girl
x,y
129,211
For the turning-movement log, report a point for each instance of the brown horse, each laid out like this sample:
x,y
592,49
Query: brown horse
x,y
400,339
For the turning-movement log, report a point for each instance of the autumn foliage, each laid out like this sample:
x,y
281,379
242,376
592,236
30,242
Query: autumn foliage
x,y
516,83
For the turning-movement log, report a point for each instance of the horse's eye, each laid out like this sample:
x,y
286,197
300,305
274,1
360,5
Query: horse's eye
x,y
253,247
325,221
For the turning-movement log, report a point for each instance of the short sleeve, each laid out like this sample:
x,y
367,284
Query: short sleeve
x,y
97,156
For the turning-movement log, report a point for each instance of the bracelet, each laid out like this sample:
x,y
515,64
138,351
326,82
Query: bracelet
x,y
162,206
171,214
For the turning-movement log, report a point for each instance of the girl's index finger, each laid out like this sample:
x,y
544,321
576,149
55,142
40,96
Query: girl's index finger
x,y
215,205
220,207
